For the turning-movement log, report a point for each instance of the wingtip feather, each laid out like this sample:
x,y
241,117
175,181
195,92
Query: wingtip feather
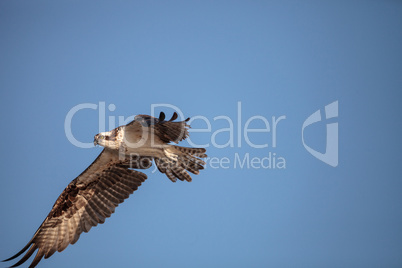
x,y
161,116
20,252
26,256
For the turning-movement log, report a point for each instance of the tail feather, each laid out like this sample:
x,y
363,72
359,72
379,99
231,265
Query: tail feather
x,y
181,173
199,152
193,164
179,160
170,175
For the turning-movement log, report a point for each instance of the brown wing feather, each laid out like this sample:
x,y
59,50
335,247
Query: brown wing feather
x,y
167,131
88,200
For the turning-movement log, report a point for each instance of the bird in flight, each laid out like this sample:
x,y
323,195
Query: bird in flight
x,y
93,196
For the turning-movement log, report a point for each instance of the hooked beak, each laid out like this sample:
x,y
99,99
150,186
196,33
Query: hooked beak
x,y
96,140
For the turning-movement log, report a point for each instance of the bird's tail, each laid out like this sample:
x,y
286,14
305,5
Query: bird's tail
x,y
178,160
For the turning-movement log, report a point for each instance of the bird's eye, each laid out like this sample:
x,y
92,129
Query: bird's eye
x,y
101,137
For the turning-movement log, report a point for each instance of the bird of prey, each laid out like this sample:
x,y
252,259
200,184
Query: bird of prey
x,y
93,196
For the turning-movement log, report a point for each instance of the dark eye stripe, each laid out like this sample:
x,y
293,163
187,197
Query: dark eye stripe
x,y
113,134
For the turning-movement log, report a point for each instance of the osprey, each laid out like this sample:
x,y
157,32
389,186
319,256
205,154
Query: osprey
x,y
93,196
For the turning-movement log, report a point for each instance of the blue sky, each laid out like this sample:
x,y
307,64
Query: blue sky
x,y
272,58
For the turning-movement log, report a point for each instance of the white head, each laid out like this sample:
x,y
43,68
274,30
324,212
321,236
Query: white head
x,y
108,139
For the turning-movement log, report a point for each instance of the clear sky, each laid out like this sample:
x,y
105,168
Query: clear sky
x,y
235,67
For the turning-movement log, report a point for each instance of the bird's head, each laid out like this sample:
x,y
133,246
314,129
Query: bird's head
x,y
105,139
101,138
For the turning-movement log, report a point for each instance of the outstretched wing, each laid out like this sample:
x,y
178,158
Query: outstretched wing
x,y
166,131
88,200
